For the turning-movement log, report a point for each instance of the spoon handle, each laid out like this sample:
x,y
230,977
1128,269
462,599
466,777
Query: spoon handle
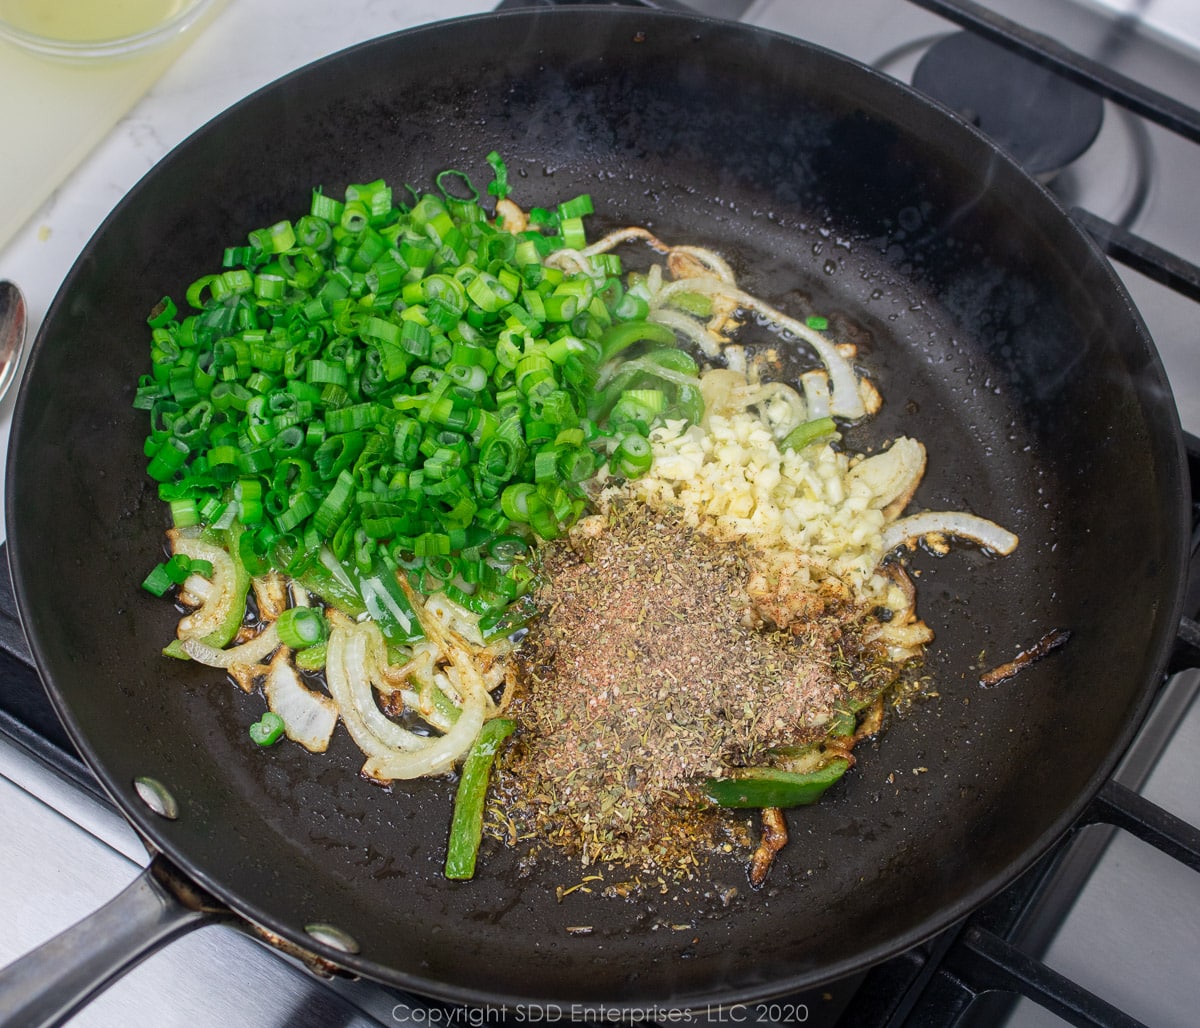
x,y
12,333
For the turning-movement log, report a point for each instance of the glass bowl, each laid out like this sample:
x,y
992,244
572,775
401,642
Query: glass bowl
x,y
85,30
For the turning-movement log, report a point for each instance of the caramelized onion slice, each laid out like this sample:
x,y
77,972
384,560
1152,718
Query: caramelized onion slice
x,y
443,751
440,755
350,686
392,751
309,717
709,343
910,530
363,644
253,652
892,476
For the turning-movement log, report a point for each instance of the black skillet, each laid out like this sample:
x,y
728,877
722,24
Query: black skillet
x,y
993,328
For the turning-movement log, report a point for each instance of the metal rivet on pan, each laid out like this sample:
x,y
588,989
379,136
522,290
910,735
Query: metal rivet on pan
x,y
333,936
157,797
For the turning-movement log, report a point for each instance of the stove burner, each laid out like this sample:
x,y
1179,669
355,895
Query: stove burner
x,y
1038,117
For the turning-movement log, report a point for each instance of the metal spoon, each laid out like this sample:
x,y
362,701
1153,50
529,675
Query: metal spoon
x,y
12,333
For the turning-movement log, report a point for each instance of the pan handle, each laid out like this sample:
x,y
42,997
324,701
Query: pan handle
x,y
49,984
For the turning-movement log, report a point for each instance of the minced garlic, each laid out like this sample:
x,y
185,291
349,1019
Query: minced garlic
x,y
814,526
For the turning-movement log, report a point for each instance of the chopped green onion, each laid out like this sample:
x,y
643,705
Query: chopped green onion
x,y
377,384
158,581
498,187
633,455
312,658
268,730
184,512
300,627
175,571
580,207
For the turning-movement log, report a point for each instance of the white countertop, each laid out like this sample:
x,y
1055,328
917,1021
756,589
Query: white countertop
x,y
247,45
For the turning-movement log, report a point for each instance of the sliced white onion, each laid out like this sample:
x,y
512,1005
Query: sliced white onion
x,y
654,280
403,754
359,664
892,476
624,235
343,679
569,260
443,751
455,617
846,401
911,636
419,682
903,607
420,665
979,530
735,358
215,605
712,262
255,651
271,594
872,398
816,393
196,589
309,717
688,326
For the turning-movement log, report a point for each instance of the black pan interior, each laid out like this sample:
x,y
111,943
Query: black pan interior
x,y
995,333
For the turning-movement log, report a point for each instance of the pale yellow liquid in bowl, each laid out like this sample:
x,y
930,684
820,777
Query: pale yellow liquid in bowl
x,y
89,21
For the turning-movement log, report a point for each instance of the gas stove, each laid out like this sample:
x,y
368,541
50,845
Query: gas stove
x,y
1102,931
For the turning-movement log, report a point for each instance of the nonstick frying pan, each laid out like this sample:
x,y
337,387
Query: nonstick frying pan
x,y
995,331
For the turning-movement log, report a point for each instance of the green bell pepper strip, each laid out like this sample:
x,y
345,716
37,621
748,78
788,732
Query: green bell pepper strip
x,y
770,787
843,724
466,828
624,334
501,624
673,371
808,433
375,592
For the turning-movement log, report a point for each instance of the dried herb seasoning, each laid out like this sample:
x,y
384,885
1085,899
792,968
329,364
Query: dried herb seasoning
x,y
650,670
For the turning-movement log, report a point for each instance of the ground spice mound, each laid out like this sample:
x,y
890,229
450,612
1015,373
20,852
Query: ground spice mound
x,y
647,673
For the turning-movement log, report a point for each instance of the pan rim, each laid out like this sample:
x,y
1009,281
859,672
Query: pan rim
x,y
145,822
